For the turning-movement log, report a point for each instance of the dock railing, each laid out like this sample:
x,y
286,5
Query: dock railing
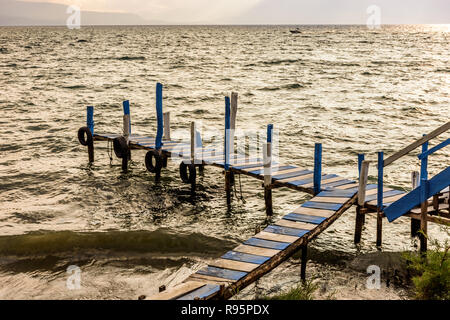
x,y
382,163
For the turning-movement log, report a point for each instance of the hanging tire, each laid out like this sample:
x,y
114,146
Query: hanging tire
x,y
121,147
153,168
184,168
85,136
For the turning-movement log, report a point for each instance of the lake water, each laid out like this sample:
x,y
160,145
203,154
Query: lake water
x,y
353,89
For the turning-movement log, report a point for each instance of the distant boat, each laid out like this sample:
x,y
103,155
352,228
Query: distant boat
x,y
295,31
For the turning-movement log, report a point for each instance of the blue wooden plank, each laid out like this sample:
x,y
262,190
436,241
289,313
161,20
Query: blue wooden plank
x,y
245,257
292,174
337,183
286,231
201,293
307,181
385,194
259,172
322,205
266,244
222,273
126,111
304,218
412,199
337,193
361,158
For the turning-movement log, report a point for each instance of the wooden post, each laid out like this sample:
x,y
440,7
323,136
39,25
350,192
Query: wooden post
x,y
361,158
228,173
424,162
166,121
127,126
193,144
380,198
90,124
317,168
234,106
363,176
159,116
267,160
304,262
415,223
424,189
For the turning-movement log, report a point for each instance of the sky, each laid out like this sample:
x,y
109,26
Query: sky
x,y
271,11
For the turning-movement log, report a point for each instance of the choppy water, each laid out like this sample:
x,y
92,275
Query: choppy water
x,y
353,89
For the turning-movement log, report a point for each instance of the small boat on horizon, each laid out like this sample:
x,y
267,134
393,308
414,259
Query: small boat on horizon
x,y
294,31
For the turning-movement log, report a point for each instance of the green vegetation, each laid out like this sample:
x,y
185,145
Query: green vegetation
x,y
431,271
303,291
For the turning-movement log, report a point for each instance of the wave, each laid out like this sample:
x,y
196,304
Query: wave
x,y
160,241
128,58
291,86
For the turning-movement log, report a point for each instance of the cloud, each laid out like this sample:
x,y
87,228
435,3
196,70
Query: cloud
x,y
176,11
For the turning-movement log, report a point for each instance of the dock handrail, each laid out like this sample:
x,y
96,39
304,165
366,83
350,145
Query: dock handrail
x,y
416,144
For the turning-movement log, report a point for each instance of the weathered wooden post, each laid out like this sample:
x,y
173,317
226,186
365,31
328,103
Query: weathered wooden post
x,y
233,115
166,130
363,177
304,262
267,159
159,131
317,168
126,135
90,124
227,144
415,223
361,158
424,190
424,162
380,198
193,149
127,127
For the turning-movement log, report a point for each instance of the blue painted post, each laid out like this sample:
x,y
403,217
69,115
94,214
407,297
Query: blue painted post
x,y
126,111
317,168
380,198
361,158
380,180
227,133
424,163
159,116
90,119
228,173
269,133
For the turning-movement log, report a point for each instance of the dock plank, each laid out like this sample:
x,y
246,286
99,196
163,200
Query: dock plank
x,y
304,218
233,265
266,244
275,237
256,250
286,231
201,293
314,212
295,224
245,257
177,291
222,273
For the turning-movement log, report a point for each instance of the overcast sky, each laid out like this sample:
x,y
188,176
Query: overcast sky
x,y
272,11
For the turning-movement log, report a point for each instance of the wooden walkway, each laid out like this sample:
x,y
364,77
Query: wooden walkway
x,y
263,252
266,250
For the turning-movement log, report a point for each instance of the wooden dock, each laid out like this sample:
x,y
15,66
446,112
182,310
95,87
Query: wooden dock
x,y
332,196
